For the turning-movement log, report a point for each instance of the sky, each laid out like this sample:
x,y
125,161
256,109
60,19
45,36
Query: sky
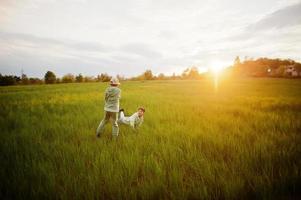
x,y
127,37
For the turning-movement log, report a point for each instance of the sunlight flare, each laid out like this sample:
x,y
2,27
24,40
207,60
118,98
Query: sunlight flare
x,y
217,67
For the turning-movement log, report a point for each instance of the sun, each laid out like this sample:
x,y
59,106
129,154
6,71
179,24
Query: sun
x,y
217,67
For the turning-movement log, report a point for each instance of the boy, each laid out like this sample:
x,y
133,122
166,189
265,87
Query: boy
x,y
135,120
111,108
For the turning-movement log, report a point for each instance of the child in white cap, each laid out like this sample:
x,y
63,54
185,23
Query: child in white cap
x,y
111,108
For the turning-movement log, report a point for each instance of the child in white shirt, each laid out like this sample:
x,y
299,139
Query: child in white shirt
x,y
134,120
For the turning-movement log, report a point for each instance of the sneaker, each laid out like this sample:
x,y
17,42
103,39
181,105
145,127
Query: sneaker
x,y
121,110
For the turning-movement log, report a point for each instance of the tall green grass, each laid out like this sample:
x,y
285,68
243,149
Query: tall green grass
x,y
240,140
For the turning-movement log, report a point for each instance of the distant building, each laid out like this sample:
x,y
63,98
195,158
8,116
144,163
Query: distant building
x,y
291,70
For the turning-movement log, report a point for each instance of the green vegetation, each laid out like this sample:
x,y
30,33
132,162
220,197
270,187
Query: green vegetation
x,y
261,67
239,140
266,67
50,77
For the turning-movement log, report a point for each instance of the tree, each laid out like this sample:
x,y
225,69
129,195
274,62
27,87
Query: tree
x,y
185,73
161,76
35,81
58,80
237,61
193,73
50,77
89,79
148,75
280,71
297,66
79,78
9,80
120,77
68,78
173,77
24,79
104,77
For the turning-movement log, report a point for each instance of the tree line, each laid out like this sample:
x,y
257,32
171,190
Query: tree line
x,y
261,67
265,67
51,78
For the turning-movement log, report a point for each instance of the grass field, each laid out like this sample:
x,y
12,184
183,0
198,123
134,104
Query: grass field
x,y
238,141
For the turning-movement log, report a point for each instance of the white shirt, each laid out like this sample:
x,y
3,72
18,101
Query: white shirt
x,y
134,120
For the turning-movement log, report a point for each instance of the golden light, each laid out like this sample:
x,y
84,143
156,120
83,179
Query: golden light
x,y
217,67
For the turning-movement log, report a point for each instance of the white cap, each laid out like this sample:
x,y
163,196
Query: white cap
x,y
114,81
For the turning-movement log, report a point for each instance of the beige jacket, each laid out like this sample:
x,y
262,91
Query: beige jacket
x,y
112,96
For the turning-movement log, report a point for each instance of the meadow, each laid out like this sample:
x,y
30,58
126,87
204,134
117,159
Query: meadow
x,y
239,139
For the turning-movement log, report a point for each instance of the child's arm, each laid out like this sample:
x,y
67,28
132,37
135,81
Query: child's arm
x,y
137,126
106,95
132,124
140,123
133,127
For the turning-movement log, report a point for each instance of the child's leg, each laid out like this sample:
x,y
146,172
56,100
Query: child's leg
x,y
102,123
121,117
115,128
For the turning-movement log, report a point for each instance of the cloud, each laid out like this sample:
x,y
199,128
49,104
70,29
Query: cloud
x,y
127,37
39,54
36,54
143,50
275,35
285,17
36,41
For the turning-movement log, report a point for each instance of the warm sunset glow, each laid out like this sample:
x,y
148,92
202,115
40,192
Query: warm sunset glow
x,y
217,67
128,37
